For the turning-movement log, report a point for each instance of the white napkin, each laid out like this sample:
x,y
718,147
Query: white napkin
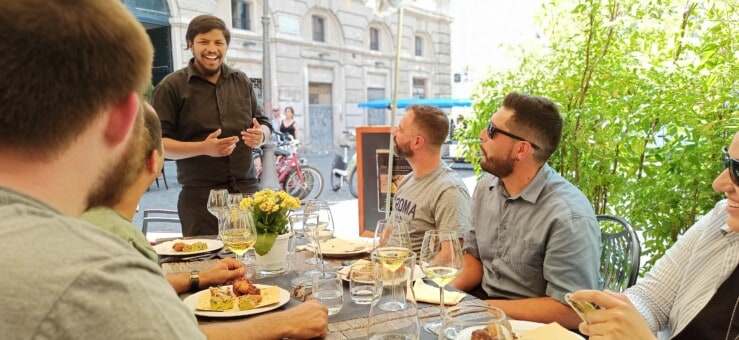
x,y
551,331
430,294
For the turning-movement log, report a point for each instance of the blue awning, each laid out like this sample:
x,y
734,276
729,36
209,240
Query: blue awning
x,y
403,103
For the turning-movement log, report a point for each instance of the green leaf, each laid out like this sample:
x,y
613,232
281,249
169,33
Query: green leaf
x,y
264,243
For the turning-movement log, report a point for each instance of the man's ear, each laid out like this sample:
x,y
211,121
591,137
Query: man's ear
x,y
122,116
152,162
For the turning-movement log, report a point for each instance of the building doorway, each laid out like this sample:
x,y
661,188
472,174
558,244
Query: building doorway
x,y
376,116
320,116
154,15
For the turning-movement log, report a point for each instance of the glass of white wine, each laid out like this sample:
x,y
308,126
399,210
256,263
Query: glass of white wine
x,y
392,246
441,260
238,232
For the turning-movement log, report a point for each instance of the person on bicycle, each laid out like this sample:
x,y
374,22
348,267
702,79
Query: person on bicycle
x,y
432,196
210,122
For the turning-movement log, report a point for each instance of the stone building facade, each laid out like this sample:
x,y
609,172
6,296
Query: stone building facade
x,y
326,55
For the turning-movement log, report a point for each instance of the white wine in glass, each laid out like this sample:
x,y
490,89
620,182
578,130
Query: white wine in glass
x,y
238,232
441,260
392,258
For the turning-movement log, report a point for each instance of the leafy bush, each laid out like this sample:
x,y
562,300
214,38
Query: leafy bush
x,y
649,95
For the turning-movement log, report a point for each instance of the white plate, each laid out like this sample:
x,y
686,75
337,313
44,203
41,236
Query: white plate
x,y
328,251
520,327
165,248
192,302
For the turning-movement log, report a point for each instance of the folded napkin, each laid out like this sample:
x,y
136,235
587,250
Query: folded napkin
x,y
552,331
430,294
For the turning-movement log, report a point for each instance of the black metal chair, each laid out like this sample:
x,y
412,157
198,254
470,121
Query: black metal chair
x,y
167,218
619,259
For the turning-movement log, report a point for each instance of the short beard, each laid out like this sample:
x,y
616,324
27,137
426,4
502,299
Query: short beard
x,y
116,180
501,168
405,152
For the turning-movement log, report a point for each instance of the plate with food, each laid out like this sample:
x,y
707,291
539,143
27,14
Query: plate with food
x,y
188,247
342,247
522,330
240,299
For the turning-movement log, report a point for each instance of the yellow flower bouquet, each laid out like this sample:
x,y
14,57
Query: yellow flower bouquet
x,y
269,209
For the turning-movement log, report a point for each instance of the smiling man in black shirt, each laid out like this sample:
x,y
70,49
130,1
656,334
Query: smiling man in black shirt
x,y
210,122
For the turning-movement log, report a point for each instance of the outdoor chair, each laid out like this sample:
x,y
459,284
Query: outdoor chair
x,y
619,260
159,215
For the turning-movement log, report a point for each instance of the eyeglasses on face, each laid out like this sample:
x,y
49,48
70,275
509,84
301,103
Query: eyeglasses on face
x,y
492,130
733,166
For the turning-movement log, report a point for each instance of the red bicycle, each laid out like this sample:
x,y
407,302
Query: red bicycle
x,y
294,175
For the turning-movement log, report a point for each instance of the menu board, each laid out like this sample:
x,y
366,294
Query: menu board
x,y
373,144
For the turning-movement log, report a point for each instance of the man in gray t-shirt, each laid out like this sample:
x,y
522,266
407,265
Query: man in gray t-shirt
x,y
534,236
432,196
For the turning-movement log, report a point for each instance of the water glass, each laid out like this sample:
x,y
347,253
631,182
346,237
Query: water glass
x,y
328,290
462,320
393,292
361,283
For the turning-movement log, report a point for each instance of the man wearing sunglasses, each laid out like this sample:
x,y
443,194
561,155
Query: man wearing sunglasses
x,y
691,292
534,236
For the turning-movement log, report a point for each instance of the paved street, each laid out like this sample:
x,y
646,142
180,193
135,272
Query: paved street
x,y
344,207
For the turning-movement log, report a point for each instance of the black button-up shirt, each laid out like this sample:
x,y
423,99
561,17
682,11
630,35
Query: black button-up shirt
x,y
190,108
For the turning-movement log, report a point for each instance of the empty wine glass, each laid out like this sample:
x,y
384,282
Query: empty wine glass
x,y
218,204
441,260
324,227
234,199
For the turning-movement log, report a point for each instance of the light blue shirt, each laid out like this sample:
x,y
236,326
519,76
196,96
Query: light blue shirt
x,y
545,241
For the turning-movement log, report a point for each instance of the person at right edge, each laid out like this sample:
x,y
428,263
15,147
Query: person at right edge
x,y
210,122
692,292
534,236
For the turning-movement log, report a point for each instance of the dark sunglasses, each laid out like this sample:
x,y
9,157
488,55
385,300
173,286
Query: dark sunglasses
x,y
733,166
492,130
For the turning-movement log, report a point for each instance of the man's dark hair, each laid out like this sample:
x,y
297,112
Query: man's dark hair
x,y
432,122
60,72
204,24
538,119
152,132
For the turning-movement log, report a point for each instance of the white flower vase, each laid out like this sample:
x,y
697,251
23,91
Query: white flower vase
x,y
275,261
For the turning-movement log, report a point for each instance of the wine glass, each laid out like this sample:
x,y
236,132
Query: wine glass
x,y
234,199
218,204
441,260
463,320
238,232
392,232
324,227
298,224
392,246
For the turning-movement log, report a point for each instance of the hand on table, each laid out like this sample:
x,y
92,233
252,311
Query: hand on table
x,y
310,320
224,271
618,319
219,147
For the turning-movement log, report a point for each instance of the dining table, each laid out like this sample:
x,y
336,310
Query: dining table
x,y
349,323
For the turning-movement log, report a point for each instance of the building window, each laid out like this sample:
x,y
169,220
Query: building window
x,y
419,88
241,14
319,29
419,46
374,39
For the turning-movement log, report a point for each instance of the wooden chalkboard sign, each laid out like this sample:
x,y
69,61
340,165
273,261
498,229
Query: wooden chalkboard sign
x,y
372,163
